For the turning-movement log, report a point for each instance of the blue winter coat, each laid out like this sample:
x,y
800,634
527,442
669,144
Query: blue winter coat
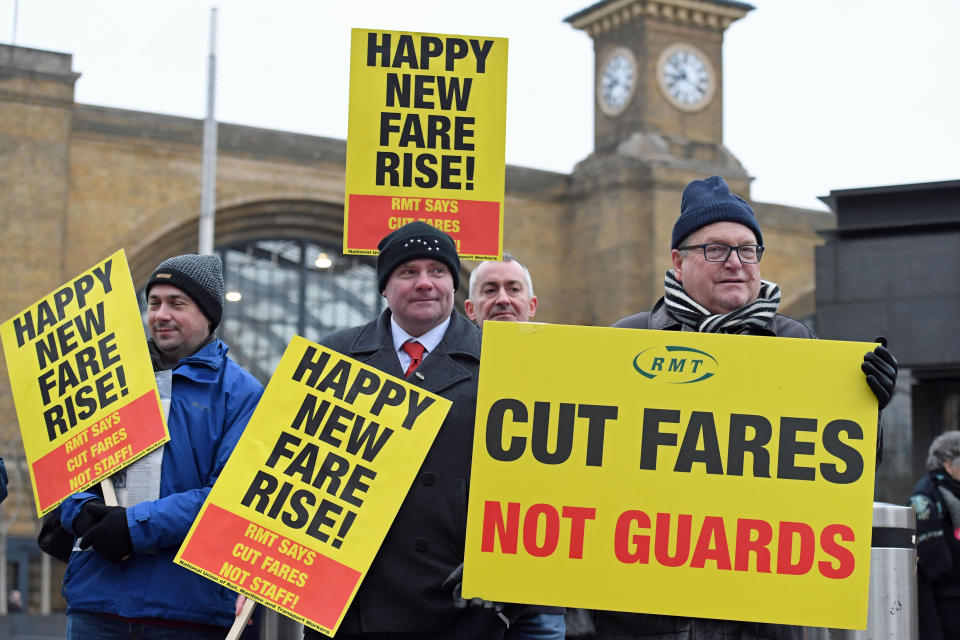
x,y
212,400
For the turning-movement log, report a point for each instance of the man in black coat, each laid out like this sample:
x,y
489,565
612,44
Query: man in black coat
x,y
715,287
422,337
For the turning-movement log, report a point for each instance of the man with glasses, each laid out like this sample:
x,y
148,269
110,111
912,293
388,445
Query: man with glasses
x,y
715,283
715,287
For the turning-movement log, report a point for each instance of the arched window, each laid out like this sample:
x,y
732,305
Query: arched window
x,y
278,288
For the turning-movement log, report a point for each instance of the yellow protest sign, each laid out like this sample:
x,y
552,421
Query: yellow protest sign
x,y
306,498
82,382
704,475
426,138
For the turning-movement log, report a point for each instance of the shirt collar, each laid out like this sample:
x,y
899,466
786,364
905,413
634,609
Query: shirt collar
x,y
429,340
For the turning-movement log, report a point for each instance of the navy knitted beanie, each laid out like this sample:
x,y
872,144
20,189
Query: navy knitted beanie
x,y
411,242
198,276
707,201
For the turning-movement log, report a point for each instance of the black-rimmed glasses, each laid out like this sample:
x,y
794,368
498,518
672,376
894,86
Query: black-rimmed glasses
x,y
715,252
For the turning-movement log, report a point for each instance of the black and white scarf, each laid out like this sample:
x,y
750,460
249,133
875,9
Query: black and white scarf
x,y
690,313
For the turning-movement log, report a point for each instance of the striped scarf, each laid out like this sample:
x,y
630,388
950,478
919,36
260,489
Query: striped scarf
x,y
690,313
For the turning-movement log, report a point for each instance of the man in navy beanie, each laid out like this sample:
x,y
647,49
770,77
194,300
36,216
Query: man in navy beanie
x,y
412,590
121,581
715,287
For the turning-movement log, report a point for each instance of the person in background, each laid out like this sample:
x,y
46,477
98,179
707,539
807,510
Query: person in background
x,y
936,500
3,481
503,290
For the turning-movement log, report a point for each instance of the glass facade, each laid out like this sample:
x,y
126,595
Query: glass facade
x,y
279,288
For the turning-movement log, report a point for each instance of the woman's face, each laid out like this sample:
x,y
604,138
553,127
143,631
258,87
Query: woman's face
x,y
953,468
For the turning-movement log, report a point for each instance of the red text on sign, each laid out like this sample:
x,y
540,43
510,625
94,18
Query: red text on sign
x,y
674,545
540,531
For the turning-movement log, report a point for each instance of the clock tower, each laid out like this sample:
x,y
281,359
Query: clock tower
x,y
658,67
658,124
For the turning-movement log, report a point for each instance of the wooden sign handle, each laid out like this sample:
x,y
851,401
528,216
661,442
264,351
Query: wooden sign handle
x,y
241,620
109,495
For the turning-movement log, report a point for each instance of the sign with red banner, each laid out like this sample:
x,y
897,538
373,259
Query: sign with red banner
x,y
305,500
82,382
426,139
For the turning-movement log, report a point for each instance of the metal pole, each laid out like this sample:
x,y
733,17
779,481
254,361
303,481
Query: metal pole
x,y
3,574
892,610
45,569
208,193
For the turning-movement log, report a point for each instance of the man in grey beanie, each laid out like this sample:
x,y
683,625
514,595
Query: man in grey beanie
x,y
121,581
715,287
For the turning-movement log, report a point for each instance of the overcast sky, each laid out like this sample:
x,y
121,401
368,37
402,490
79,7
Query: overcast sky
x,y
819,95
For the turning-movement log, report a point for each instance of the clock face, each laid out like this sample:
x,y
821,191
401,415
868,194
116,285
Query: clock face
x,y
686,77
617,81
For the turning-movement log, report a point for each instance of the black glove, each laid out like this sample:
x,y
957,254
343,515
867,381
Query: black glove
x,y
880,368
454,582
111,535
87,518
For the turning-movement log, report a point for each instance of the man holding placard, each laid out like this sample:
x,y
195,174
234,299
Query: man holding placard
x,y
121,580
715,287
422,338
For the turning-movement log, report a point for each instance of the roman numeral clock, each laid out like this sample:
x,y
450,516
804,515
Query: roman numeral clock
x,y
658,66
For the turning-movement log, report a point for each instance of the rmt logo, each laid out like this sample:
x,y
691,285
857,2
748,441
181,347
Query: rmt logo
x,y
674,364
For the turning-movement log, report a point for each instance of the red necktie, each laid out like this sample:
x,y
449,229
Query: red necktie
x,y
415,350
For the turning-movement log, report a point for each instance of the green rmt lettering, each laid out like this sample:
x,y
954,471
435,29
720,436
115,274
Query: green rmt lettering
x,y
676,364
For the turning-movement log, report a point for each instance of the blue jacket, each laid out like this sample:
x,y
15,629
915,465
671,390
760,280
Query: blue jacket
x,y
212,400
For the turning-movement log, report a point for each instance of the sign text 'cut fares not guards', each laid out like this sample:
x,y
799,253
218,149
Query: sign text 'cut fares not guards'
x,y
679,473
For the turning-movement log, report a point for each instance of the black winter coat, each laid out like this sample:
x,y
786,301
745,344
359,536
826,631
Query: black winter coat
x,y
614,625
401,592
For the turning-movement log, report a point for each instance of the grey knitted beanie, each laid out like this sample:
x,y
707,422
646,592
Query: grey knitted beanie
x,y
198,276
707,201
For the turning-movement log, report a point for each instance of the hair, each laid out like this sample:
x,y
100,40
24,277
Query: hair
x,y
506,258
945,448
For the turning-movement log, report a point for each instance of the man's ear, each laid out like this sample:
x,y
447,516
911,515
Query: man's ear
x,y
471,311
533,305
677,259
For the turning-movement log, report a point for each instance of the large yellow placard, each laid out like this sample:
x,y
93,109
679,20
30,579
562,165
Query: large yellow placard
x,y
674,473
306,498
426,138
82,382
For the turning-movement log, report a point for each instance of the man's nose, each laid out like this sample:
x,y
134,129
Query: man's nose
x,y
423,281
733,260
502,297
162,312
